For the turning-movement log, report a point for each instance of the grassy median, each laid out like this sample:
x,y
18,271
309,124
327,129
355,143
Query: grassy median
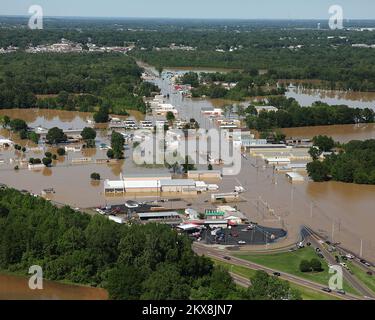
x,y
306,293
289,262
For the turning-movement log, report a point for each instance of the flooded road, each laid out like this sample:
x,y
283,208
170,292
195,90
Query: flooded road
x,y
16,288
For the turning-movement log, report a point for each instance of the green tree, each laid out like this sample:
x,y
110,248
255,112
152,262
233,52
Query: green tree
x,y
316,265
266,287
47,161
95,176
315,153
61,151
318,171
18,125
305,266
324,143
117,145
55,136
165,284
170,117
88,133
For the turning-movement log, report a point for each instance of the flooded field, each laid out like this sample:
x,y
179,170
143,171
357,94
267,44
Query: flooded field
x,y
340,133
16,288
306,97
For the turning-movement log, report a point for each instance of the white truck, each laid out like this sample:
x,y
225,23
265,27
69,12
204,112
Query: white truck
x,y
239,189
116,219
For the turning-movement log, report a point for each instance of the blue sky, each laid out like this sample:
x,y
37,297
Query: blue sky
x,y
241,9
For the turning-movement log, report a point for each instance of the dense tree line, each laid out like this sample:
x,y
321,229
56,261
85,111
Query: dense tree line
x,y
353,163
80,82
131,261
291,114
277,47
248,83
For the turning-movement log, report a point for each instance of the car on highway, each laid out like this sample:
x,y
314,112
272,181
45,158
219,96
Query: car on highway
x,y
369,273
341,291
327,290
277,274
367,264
318,250
227,258
320,256
350,256
241,242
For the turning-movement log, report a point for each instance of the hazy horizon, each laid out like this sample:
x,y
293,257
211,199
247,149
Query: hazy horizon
x,y
194,9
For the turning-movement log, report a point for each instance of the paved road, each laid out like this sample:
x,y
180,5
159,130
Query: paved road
x,y
219,255
359,286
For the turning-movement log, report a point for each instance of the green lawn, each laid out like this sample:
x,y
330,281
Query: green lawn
x,y
289,262
307,294
362,276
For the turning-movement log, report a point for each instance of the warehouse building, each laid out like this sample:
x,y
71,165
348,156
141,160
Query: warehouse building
x,y
204,174
147,216
294,177
178,186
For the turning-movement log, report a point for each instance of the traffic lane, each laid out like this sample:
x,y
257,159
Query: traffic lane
x,y
347,276
285,276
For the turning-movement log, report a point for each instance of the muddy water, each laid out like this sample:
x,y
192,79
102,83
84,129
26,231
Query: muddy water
x,y
16,288
341,133
353,99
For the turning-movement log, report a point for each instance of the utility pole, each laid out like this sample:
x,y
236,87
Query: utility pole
x,y
361,249
311,209
333,231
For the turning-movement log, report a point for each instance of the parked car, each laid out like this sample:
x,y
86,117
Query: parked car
x,y
320,255
318,250
131,204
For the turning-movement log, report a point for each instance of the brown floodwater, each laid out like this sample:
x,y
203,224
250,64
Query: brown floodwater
x,y
348,209
355,99
16,288
340,133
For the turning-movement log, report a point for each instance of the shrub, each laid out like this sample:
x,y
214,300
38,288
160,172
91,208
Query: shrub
x,y
61,151
47,161
305,266
316,265
95,176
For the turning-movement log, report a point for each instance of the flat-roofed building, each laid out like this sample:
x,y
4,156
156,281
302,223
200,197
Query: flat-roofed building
x,y
147,176
178,185
294,177
204,174
132,186
170,215
277,160
266,109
